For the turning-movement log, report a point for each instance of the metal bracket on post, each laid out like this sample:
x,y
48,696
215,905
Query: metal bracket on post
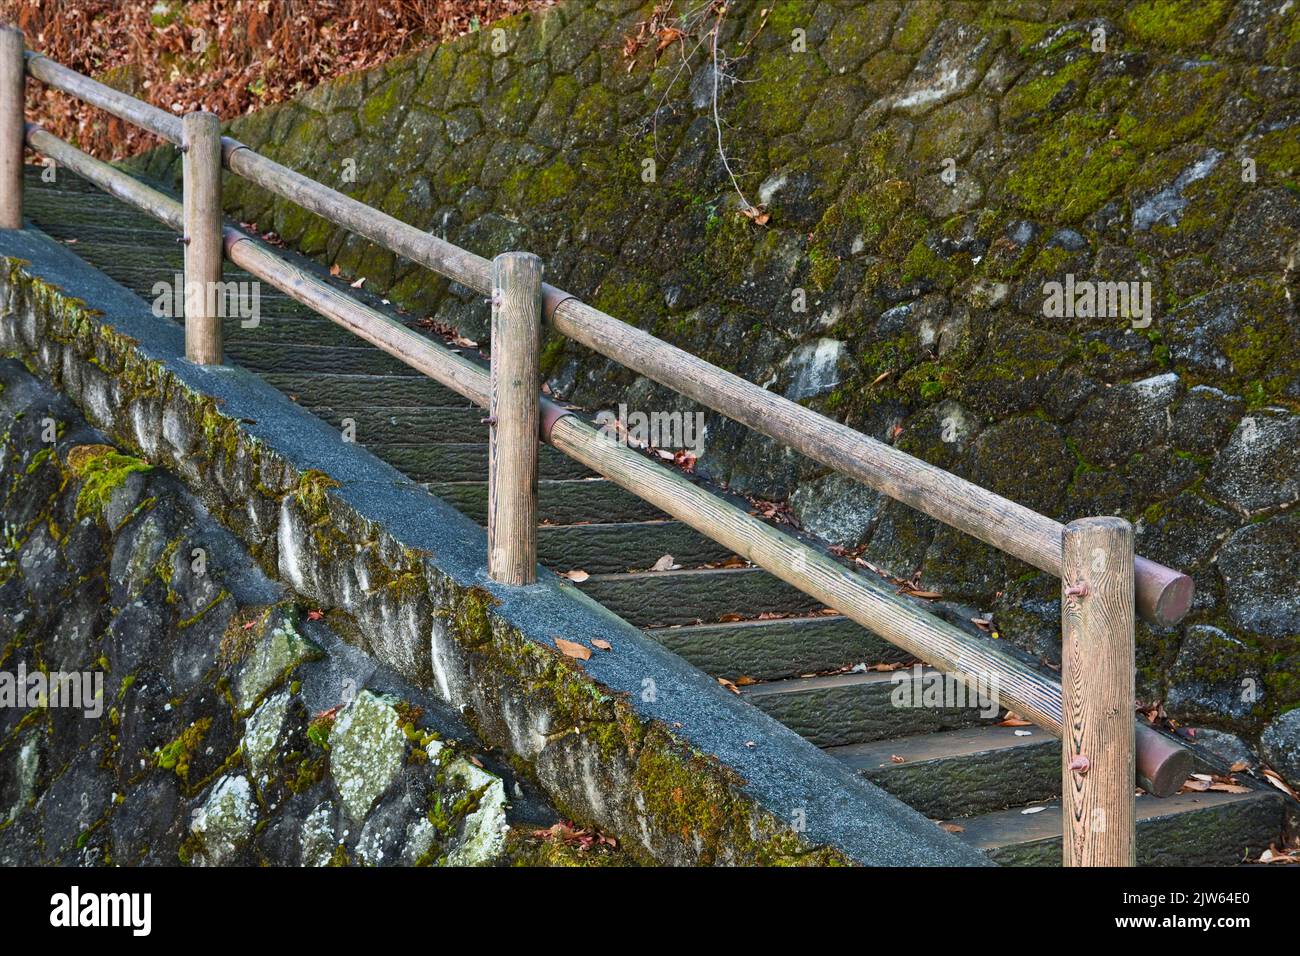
x,y
514,417
201,170
13,78
1098,726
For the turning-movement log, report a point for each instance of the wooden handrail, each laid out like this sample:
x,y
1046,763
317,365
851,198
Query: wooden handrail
x,y
1163,595
1102,581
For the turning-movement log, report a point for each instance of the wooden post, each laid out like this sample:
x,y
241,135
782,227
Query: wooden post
x,y
201,170
12,128
1098,811
512,441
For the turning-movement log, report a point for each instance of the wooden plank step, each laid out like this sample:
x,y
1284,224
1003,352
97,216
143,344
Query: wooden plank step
x,y
855,708
959,773
1187,829
592,500
661,598
391,424
622,546
465,461
778,648
342,390
364,359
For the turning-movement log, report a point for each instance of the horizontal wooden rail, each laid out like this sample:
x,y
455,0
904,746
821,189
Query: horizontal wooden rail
x,y
1163,595
159,122
1162,765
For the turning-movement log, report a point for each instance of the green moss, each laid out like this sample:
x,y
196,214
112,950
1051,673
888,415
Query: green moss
x,y
1175,23
1173,106
101,469
177,754
552,183
1071,172
311,491
1028,102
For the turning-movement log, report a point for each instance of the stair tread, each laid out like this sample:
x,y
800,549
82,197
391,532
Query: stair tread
x,y
947,744
801,685
1014,826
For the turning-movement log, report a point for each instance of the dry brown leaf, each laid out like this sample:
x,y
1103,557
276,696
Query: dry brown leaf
x,y
663,564
756,215
1273,777
1239,767
744,680
573,649
577,575
335,270
729,685
895,758
602,645
952,827
1012,720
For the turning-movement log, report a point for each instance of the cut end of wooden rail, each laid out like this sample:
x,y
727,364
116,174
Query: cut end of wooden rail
x,y
1163,595
1163,765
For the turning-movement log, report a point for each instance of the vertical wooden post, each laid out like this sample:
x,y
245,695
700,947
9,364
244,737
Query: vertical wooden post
x,y
12,137
1098,813
201,171
514,411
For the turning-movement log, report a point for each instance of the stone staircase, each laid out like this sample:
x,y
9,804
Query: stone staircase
x,y
787,655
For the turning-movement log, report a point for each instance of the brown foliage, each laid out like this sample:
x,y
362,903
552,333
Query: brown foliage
x,y
228,56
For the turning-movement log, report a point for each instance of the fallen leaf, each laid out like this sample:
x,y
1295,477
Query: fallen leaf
x,y
756,215
1011,720
744,680
663,564
895,758
573,649
359,283
729,685
952,827
602,645
314,615
1276,780
577,575
1028,810
1239,766
335,270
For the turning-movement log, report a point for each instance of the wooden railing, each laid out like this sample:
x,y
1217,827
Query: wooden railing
x,y
1103,584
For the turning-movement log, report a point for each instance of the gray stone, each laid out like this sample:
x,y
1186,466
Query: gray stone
x,y
262,734
1122,420
950,66
279,651
1260,565
367,749
1280,746
1227,747
1214,676
1259,468
837,509
225,821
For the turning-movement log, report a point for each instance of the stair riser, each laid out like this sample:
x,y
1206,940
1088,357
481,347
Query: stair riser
x,y
561,503
1216,836
359,391
611,548
975,783
833,716
777,649
657,600
462,461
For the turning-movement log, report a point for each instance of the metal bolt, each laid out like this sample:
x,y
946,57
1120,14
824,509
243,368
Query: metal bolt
x,y
1077,590
490,420
1080,764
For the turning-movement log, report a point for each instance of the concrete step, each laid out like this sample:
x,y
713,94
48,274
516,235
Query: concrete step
x,y
959,773
1188,829
691,596
856,708
777,648
622,546
336,390
584,501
